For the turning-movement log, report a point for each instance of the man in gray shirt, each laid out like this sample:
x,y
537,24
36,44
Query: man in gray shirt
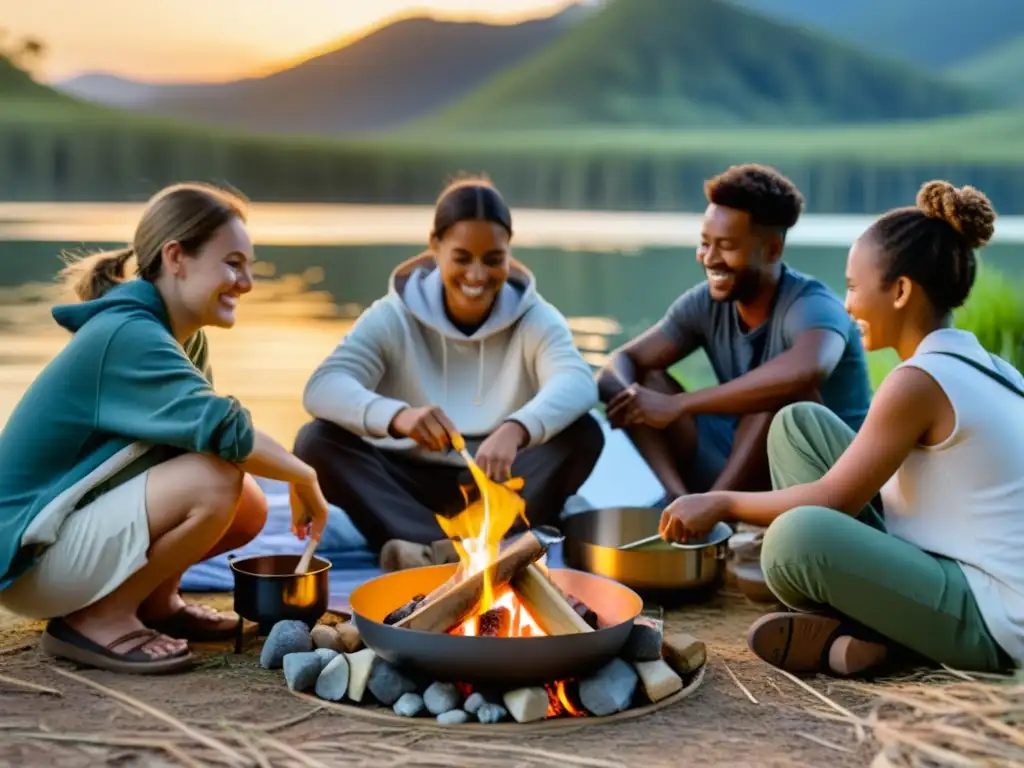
x,y
774,336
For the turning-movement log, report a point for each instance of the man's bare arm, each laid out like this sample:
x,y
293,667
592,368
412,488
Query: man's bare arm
x,y
794,375
650,351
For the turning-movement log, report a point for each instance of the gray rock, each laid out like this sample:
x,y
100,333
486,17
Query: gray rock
x,y
409,705
301,670
453,717
326,656
491,713
285,637
473,702
610,690
441,697
643,643
387,684
333,681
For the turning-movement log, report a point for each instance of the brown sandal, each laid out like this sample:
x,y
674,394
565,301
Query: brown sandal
x,y
183,624
802,643
62,641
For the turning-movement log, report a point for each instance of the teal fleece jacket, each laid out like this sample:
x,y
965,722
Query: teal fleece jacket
x,y
122,381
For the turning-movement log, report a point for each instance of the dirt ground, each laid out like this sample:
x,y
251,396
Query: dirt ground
x,y
254,720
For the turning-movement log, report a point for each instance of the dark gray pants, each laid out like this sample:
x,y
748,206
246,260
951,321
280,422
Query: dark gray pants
x,y
390,496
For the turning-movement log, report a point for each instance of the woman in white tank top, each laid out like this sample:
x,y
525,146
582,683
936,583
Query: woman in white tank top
x,y
908,535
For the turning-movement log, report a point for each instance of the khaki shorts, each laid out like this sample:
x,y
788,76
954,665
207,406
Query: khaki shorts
x,y
98,547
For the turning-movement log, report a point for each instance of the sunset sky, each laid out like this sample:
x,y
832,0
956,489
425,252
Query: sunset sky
x,y
189,40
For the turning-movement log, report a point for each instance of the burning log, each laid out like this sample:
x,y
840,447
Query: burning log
x,y
551,609
496,622
406,610
583,610
419,600
454,605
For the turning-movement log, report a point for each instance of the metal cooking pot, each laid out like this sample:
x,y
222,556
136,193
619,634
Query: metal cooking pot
x,y
493,660
268,591
694,569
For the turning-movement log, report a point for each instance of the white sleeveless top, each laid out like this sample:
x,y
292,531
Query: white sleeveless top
x,y
964,498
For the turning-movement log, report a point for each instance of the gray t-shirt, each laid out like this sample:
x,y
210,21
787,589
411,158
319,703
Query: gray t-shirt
x,y
696,321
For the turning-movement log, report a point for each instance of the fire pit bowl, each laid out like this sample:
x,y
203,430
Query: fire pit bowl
x,y
493,660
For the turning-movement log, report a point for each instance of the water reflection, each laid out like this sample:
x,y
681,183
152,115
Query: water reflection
x,y
286,326
308,296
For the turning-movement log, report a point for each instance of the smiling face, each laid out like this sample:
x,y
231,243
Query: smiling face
x,y
210,282
474,262
736,256
877,307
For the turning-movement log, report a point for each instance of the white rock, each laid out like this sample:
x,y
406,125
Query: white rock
x,y
360,664
658,679
527,704
333,680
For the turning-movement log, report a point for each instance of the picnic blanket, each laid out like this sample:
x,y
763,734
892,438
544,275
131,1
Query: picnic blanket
x,y
621,478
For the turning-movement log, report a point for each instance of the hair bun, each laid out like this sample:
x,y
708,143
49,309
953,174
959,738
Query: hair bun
x,y
966,209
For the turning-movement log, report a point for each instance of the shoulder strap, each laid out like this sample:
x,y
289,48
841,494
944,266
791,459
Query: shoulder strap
x,y
992,374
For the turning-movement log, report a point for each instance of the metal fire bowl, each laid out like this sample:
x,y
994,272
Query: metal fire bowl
x,y
517,661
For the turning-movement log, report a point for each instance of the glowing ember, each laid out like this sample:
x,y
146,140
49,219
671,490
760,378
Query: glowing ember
x,y
521,625
559,702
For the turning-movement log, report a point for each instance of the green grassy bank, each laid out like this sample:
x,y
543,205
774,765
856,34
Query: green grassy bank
x,y
61,149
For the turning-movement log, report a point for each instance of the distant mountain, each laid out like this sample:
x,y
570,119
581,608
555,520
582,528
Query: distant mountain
x,y
672,63
1000,70
110,90
16,82
399,73
935,33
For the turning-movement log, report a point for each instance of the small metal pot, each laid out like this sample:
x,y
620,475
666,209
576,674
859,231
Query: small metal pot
x,y
268,591
593,538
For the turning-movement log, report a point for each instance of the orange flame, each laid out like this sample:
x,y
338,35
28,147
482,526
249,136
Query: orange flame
x,y
559,702
477,531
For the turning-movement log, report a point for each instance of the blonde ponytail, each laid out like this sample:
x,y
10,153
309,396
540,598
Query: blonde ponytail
x,y
94,275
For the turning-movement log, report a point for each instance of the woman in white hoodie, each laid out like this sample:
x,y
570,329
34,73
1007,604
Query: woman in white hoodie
x,y
461,342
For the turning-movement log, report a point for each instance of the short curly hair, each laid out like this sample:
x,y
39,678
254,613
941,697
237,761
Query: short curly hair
x,y
770,198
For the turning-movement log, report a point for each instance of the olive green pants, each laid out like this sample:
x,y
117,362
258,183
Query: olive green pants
x,y
816,558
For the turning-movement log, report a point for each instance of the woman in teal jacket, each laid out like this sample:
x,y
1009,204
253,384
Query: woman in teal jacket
x,y
121,466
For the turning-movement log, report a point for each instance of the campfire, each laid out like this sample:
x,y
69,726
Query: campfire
x,y
501,638
495,593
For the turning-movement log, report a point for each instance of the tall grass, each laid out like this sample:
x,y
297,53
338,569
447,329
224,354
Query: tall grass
x,y
995,314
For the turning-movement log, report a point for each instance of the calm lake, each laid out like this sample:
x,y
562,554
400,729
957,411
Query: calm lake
x,y
612,275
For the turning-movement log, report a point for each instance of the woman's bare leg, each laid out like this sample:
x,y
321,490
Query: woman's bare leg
x,y
249,518
190,501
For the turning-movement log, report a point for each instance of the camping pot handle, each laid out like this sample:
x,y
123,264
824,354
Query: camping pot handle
x,y
548,535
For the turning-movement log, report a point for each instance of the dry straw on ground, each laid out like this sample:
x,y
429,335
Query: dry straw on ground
x,y
945,718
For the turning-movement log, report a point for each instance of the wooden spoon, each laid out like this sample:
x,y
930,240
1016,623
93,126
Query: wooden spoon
x,y
303,564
